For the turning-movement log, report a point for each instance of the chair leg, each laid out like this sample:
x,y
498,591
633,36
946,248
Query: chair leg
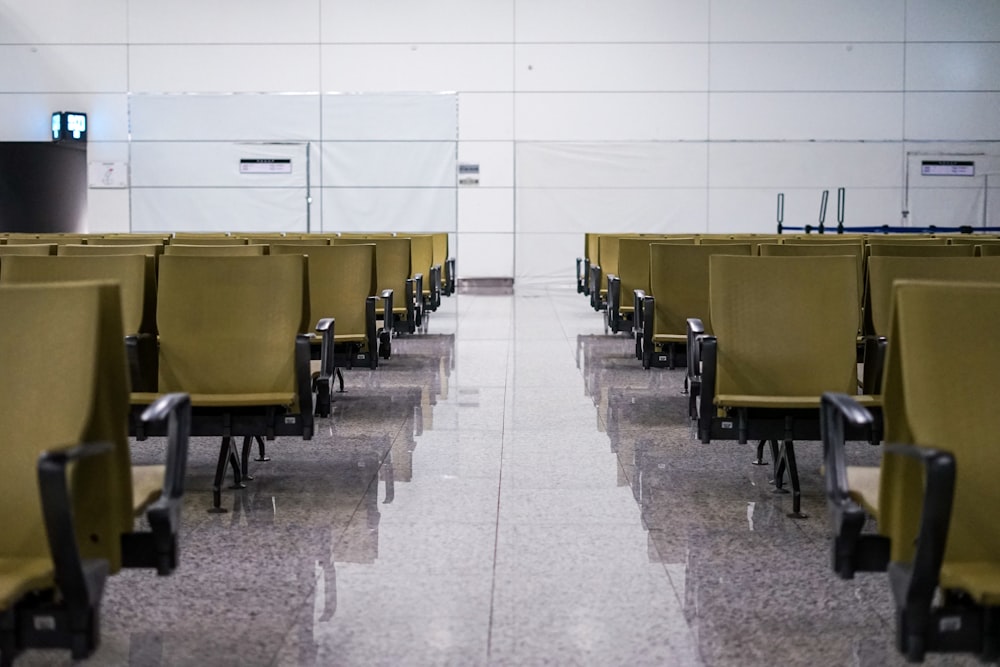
x,y
220,474
793,475
340,380
779,462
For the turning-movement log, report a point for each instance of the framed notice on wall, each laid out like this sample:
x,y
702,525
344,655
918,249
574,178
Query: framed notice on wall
x,y
265,165
947,168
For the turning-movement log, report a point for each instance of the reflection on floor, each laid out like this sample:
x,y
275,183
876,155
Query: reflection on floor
x,y
511,488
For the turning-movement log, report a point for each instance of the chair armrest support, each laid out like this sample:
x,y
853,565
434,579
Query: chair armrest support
x,y
303,383
638,317
80,582
648,313
613,306
695,330
325,329
852,551
164,515
706,392
914,584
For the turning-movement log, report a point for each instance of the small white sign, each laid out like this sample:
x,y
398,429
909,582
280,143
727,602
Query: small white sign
x,y
107,175
947,168
265,166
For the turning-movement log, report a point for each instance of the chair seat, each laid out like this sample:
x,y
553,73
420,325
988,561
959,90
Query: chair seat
x,y
670,338
863,483
981,580
147,484
19,576
789,402
342,338
222,400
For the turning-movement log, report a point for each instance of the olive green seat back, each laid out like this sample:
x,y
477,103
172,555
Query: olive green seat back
x,y
943,401
215,250
61,386
392,265
920,250
440,243
607,258
288,241
633,267
786,328
421,257
341,278
129,239
130,272
228,327
27,249
989,250
855,249
822,239
208,239
679,283
884,271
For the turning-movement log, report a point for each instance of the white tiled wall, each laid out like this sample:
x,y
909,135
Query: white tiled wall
x,y
636,115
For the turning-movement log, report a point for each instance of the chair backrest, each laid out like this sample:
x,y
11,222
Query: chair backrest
x,y
27,249
633,266
228,324
940,396
856,250
215,250
392,263
137,248
61,385
787,326
920,250
421,256
884,271
679,283
128,239
341,278
608,249
821,239
132,273
208,239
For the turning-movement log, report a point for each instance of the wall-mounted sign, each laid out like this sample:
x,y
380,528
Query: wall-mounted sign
x,y
265,165
468,173
107,175
947,168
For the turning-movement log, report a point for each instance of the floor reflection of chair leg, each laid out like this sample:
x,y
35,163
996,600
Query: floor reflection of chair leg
x,y
780,463
759,461
247,442
261,453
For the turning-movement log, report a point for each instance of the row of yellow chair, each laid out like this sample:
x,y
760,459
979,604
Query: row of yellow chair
x,y
428,249
70,496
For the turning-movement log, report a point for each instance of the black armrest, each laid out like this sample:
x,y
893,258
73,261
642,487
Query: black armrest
x,y
80,581
449,275
852,551
140,350
595,286
435,287
387,297
874,363
706,393
303,382
164,514
411,305
371,335
579,275
325,329
695,330
914,584
613,306
418,297
648,313
638,315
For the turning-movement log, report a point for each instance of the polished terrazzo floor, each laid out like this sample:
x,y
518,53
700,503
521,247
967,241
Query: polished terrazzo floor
x,y
511,488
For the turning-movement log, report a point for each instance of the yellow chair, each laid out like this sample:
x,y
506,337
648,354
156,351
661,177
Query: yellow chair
x,y
785,332
231,336
135,275
342,286
215,250
678,291
395,284
935,495
69,524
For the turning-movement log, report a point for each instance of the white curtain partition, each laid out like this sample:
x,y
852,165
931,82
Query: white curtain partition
x,y
367,161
